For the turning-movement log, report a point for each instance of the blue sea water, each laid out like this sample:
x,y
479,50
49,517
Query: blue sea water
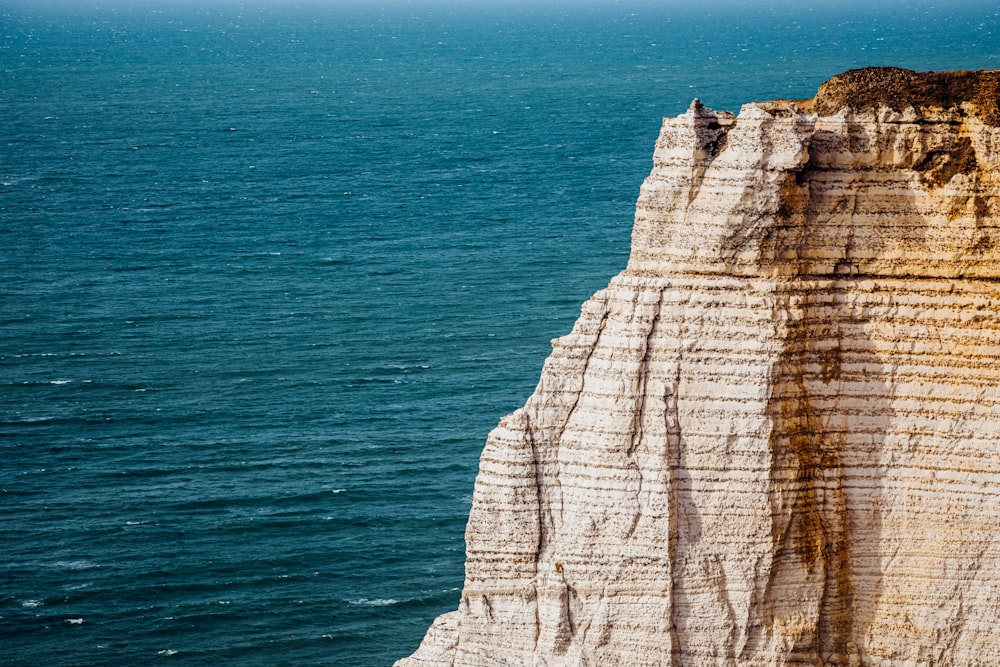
x,y
269,274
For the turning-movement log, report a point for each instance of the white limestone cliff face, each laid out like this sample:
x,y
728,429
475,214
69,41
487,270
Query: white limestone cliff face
x,y
774,439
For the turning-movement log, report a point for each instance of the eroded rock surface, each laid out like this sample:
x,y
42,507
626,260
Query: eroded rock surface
x,y
774,439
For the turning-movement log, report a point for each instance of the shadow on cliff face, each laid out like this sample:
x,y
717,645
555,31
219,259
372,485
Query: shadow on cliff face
x,y
839,204
842,212
830,414
878,202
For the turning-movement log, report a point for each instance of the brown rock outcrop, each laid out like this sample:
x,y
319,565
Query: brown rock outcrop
x,y
774,439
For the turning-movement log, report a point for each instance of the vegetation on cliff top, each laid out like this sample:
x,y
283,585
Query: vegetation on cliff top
x,y
898,88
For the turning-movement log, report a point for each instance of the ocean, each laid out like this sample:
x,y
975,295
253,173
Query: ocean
x,y
269,274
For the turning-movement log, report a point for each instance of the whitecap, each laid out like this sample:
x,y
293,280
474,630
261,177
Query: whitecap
x,y
59,381
31,604
136,523
167,651
378,602
75,564
75,621
77,587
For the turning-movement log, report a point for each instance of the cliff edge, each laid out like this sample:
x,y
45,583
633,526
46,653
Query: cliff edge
x,y
774,439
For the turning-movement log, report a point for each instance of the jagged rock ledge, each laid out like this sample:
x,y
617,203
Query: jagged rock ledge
x,y
774,439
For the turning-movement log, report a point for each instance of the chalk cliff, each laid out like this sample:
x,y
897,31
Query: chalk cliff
x,y
774,439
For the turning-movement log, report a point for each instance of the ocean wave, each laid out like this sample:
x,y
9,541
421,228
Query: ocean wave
x,y
78,587
75,564
29,420
378,602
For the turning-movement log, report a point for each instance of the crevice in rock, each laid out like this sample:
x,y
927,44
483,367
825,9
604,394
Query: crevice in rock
x,y
640,410
671,459
539,489
583,375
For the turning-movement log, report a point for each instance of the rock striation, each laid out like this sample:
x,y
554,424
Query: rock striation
x,y
774,439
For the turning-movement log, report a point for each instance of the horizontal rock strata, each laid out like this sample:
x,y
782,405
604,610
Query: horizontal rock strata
x,y
774,439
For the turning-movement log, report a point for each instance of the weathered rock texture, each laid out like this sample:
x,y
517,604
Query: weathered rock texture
x,y
774,439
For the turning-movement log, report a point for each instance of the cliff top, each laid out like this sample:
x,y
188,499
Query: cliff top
x,y
898,88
